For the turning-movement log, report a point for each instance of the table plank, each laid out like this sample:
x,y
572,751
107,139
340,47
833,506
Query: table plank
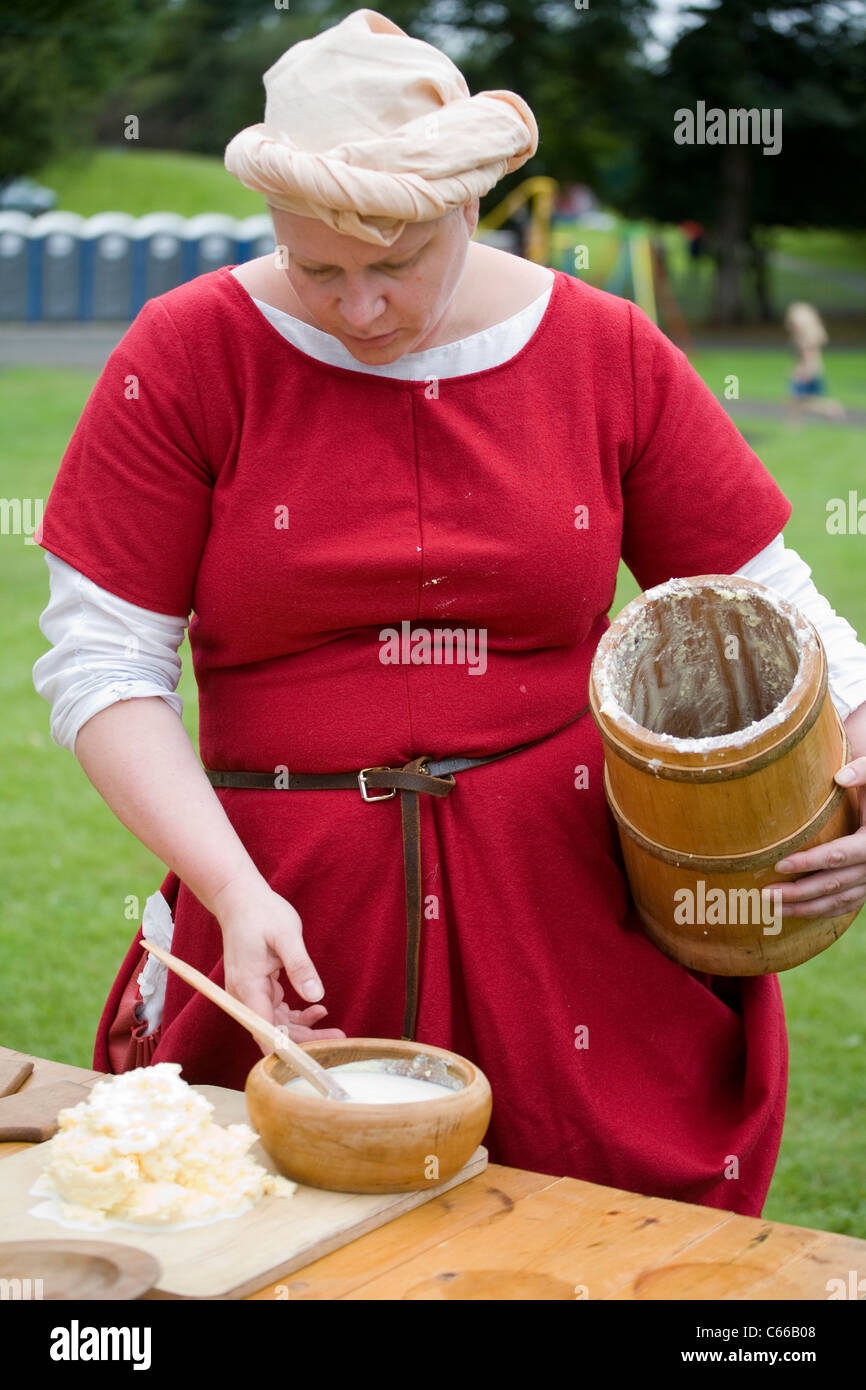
x,y
829,1256
475,1204
729,1262
571,1240
754,1259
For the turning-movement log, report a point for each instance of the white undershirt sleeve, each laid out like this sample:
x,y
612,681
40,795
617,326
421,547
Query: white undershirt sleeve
x,y
781,569
103,649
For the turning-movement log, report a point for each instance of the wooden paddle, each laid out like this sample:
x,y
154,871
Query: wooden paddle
x,y
283,1046
14,1071
30,1117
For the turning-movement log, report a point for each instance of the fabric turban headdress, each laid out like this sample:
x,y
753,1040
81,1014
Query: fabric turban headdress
x,y
369,129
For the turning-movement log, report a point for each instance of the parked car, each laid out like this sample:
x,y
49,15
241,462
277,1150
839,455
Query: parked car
x,y
25,195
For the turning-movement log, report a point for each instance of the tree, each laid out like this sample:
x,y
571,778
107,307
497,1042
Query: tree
x,y
203,82
57,61
807,62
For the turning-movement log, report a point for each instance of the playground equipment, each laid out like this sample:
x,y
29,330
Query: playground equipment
x,y
538,193
633,269
638,270
640,274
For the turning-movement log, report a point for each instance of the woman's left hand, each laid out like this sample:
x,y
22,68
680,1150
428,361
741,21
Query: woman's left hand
x,y
300,1023
835,872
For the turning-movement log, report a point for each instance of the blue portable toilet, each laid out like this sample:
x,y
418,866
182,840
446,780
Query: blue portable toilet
x,y
14,264
255,237
106,266
55,286
211,241
157,256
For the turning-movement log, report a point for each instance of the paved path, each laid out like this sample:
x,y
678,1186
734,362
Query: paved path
x,y
777,410
85,345
840,275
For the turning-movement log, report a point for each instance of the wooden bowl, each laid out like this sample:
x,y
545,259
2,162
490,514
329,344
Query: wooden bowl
x,y
347,1147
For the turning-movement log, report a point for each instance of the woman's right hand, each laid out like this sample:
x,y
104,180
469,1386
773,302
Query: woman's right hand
x,y
263,935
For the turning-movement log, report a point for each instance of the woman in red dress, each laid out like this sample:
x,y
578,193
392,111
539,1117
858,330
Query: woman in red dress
x,y
305,513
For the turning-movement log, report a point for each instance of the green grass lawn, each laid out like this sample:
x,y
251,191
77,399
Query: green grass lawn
x,y
835,250
763,374
139,181
68,867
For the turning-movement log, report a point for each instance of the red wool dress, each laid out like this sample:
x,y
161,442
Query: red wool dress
x,y
449,504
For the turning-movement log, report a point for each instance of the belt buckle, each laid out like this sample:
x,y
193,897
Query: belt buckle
x,y
384,796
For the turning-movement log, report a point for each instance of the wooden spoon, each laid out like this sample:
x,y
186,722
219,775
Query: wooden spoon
x,y
283,1046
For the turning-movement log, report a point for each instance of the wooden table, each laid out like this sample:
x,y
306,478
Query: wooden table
x,y
510,1234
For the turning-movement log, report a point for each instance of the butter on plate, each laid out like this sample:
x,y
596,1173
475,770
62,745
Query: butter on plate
x,y
142,1151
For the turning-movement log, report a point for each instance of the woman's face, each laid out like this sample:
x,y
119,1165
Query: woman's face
x,y
380,302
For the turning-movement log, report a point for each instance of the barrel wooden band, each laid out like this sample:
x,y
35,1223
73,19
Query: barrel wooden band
x,y
732,862
724,771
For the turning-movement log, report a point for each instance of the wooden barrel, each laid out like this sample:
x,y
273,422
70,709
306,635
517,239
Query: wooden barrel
x,y
720,744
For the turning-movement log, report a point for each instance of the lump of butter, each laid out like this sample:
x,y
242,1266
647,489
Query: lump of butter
x,y
142,1149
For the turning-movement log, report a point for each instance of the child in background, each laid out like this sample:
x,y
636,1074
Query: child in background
x,y
808,386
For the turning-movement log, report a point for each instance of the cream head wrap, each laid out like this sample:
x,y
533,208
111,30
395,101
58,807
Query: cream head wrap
x,y
368,129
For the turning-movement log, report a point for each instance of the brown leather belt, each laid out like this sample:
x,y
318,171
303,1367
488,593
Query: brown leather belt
x,y
436,778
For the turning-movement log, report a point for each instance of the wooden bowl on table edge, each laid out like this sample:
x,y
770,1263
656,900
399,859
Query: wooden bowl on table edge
x,y
347,1147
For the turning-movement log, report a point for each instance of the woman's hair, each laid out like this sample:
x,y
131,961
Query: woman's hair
x,y
803,322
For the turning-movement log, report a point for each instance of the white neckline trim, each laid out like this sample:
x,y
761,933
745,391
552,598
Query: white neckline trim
x,y
489,347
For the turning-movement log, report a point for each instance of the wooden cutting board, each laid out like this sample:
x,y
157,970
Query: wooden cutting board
x,y
235,1257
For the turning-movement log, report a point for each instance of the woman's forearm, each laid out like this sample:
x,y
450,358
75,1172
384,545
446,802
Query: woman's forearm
x,y
139,758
